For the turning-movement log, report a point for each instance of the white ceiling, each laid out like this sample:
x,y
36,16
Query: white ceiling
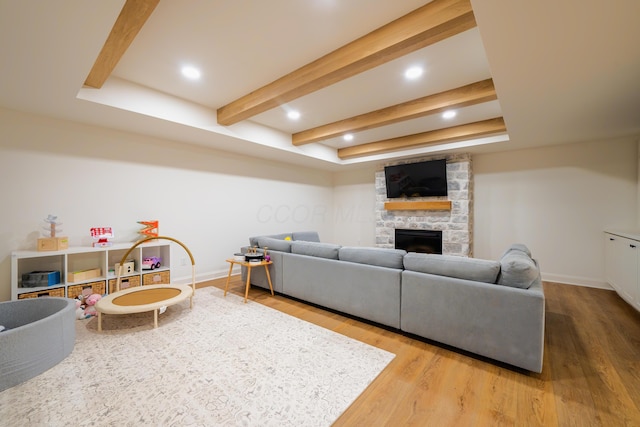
x,y
564,71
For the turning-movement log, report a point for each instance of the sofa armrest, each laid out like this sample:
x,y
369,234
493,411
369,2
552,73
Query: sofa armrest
x,y
499,322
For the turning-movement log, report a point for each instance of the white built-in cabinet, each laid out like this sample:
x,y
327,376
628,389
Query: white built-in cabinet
x,y
622,264
78,259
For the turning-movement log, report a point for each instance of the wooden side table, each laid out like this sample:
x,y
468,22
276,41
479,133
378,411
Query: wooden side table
x,y
249,266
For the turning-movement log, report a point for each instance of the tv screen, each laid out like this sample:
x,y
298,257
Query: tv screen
x,y
421,179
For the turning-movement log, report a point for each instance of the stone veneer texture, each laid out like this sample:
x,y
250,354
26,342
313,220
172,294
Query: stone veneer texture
x,y
456,225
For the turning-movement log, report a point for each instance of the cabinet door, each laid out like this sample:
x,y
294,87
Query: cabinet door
x,y
612,264
635,292
628,277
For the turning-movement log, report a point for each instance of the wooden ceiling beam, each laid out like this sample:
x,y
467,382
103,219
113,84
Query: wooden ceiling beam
x,y
438,136
474,93
426,25
132,17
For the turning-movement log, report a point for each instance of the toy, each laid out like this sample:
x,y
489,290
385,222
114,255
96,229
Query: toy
x,y
150,263
102,235
52,242
80,310
91,301
150,228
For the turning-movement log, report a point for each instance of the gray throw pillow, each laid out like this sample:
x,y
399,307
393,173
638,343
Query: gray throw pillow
x,y
321,250
253,241
479,270
517,247
518,270
383,257
307,236
274,244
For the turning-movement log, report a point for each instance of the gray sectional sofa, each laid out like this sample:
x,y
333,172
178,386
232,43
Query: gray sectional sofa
x,y
495,309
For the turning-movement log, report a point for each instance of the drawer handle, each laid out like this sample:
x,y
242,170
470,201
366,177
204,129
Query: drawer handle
x,y
612,239
632,246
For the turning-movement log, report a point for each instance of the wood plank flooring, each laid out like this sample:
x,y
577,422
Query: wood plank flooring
x,y
591,374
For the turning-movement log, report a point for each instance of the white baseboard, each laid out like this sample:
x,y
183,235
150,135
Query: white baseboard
x,y
574,280
205,277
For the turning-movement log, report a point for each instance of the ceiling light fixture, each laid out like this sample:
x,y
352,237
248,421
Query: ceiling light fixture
x,y
449,114
191,72
413,73
348,137
293,115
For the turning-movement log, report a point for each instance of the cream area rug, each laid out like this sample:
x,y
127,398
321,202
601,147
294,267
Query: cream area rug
x,y
222,363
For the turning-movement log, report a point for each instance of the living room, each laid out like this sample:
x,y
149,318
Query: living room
x,y
102,167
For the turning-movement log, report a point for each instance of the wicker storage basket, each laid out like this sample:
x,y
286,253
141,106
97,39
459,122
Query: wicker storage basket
x,y
156,278
125,282
57,292
96,288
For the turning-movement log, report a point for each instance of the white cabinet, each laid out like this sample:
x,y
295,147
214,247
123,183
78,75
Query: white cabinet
x,y
87,267
622,265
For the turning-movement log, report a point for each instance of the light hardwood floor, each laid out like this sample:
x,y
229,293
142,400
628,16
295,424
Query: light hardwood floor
x,y
591,373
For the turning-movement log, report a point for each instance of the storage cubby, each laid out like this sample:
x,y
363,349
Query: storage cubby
x,y
78,268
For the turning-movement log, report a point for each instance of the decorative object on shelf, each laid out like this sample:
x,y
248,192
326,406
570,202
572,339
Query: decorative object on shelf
x,y
151,228
102,236
151,263
40,278
52,242
128,267
83,275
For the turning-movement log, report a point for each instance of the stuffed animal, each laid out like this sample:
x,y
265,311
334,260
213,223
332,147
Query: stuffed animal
x,y
80,309
91,301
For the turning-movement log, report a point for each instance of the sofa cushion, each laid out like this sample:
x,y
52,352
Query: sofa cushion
x,y
383,257
307,236
253,241
479,270
518,270
274,244
317,249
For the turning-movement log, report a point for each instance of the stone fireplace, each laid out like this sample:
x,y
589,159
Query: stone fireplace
x,y
455,225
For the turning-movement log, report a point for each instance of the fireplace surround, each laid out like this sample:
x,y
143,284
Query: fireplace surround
x,y
456,224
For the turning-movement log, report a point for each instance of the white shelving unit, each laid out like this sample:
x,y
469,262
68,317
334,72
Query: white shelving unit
x,y
622,264
84,258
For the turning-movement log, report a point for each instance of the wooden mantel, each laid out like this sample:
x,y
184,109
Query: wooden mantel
x,y
440,205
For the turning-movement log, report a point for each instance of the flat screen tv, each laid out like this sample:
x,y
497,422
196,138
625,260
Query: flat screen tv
x,y
422,179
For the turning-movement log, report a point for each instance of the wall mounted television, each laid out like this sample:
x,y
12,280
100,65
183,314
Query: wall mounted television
x,y
422,179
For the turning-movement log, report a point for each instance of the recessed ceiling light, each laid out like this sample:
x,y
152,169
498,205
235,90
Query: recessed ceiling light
x,y
449,114
191,72
348,137
413,72
293,115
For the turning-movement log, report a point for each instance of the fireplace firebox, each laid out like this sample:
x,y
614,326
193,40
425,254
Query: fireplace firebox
x,y
424,241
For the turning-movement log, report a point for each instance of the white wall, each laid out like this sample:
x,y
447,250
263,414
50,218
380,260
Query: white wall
x,y
90,176
557,200
354,203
